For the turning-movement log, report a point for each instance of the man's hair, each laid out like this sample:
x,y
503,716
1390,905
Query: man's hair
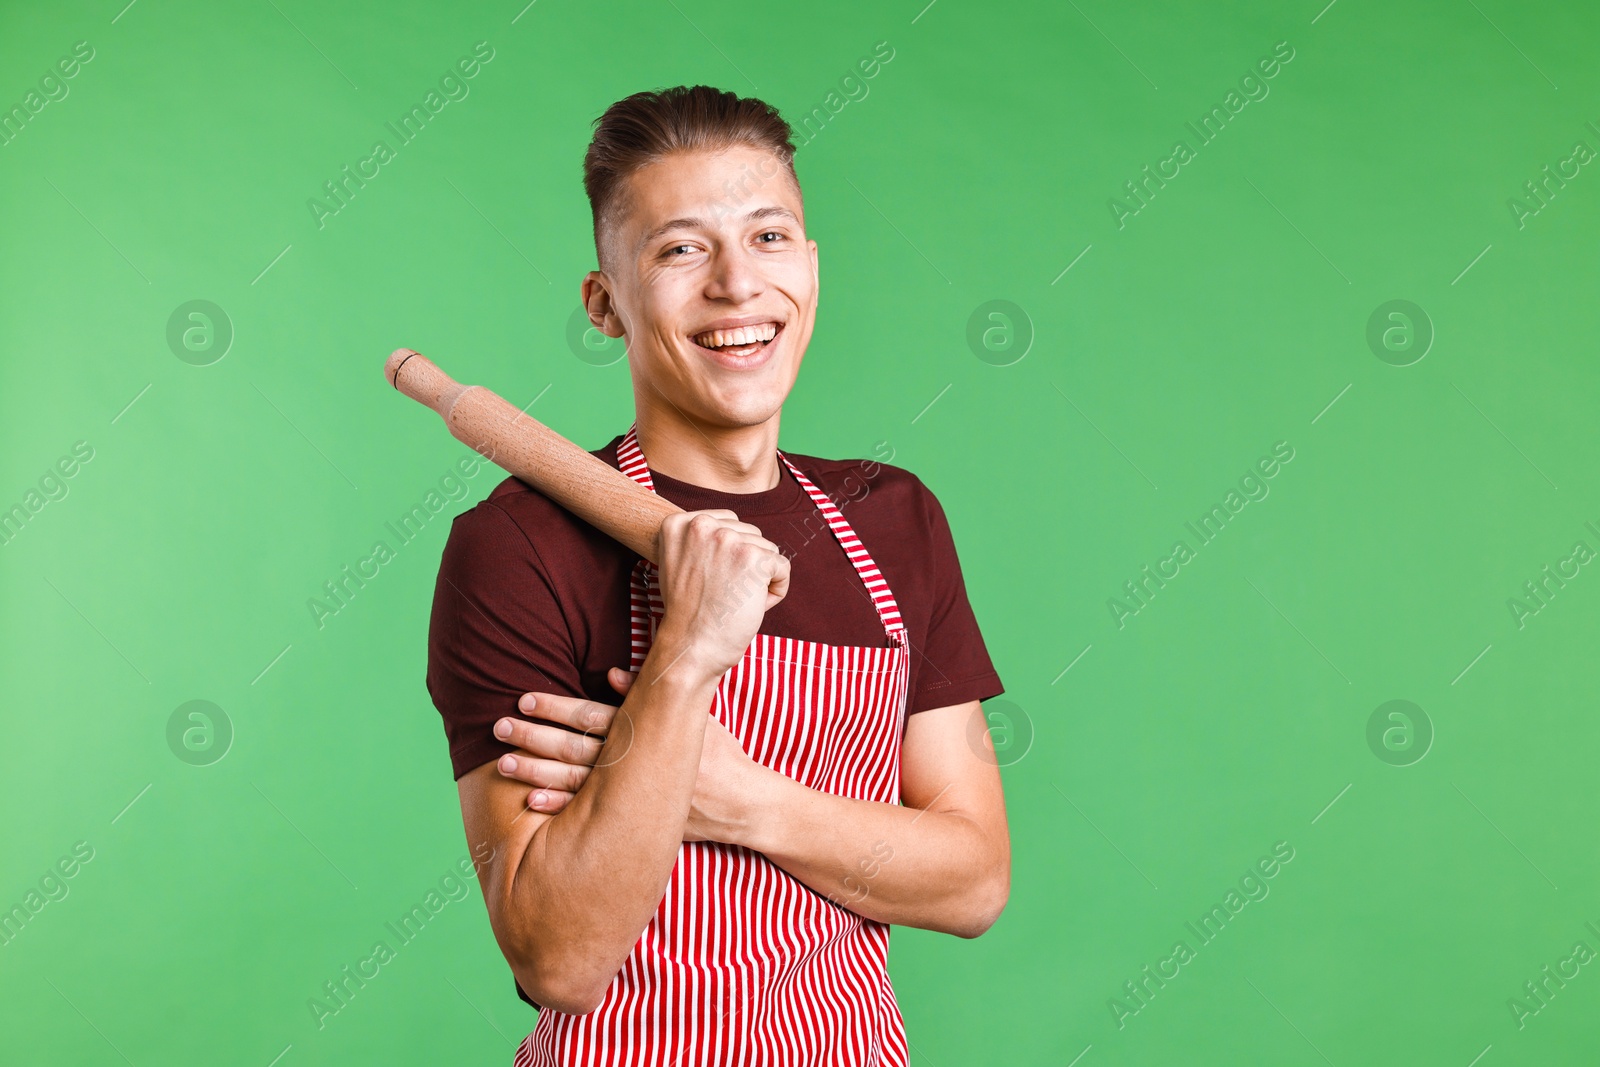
x,y
646,127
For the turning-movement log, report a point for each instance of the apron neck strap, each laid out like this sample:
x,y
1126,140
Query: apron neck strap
x,y
631,461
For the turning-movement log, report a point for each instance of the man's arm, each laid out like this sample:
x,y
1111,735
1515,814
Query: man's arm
x,y
940,862
569,893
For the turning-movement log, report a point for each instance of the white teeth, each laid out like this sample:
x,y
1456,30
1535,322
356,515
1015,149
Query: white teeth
x,y
744,335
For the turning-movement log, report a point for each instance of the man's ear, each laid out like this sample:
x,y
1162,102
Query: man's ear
x,y
816,278
595,293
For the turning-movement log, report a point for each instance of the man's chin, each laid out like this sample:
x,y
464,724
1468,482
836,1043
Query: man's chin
x,y
737,409
748,397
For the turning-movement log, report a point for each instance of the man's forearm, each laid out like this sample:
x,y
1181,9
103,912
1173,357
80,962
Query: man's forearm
x,y
929,869
593,875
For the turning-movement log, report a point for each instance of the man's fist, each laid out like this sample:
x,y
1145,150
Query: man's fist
x,y
719,577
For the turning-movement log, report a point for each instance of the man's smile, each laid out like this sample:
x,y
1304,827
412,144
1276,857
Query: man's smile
x,y
738,343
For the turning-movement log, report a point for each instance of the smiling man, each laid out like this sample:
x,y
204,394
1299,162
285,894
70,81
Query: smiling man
x,y
711,786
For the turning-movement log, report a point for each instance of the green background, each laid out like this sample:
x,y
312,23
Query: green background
x,y
1230,313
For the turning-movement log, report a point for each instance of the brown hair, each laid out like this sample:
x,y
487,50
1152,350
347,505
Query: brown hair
x,y
646,127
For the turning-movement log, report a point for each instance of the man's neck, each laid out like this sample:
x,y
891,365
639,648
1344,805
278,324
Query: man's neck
x,y
729,460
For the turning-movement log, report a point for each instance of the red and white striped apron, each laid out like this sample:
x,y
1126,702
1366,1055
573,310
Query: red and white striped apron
x,y
743,963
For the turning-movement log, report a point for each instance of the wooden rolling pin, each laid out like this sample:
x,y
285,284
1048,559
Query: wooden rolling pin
x,y
584,484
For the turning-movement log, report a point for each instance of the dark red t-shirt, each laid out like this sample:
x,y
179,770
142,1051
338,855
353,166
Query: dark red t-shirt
x,y
530,598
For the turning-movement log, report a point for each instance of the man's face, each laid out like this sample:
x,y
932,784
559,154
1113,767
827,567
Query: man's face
x,y
711,252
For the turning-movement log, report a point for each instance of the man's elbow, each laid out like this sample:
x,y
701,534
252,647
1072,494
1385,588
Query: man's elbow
x,y
558,990
567,1002
547,967
988,902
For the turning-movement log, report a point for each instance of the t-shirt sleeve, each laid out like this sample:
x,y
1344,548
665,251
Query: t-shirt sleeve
x,y
953,664
496,631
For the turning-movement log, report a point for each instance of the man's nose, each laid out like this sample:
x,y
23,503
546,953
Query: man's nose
x,y
735,276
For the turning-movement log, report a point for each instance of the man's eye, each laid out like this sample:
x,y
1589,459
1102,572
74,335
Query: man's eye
x,y
674,248
771,233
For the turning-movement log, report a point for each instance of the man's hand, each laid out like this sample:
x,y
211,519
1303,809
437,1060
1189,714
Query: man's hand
x,y
553,760
719,577
557,761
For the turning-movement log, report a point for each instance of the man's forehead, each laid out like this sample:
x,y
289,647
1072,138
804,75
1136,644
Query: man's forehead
x,y
703,190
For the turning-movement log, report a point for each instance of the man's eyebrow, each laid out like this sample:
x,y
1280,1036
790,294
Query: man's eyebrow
x,y
699,223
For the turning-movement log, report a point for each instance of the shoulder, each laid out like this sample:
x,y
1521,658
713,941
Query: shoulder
x,y
516,518
870,488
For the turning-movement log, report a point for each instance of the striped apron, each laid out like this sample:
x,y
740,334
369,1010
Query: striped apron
x,y
743,963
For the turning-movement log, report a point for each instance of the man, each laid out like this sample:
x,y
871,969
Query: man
x,y
707,872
